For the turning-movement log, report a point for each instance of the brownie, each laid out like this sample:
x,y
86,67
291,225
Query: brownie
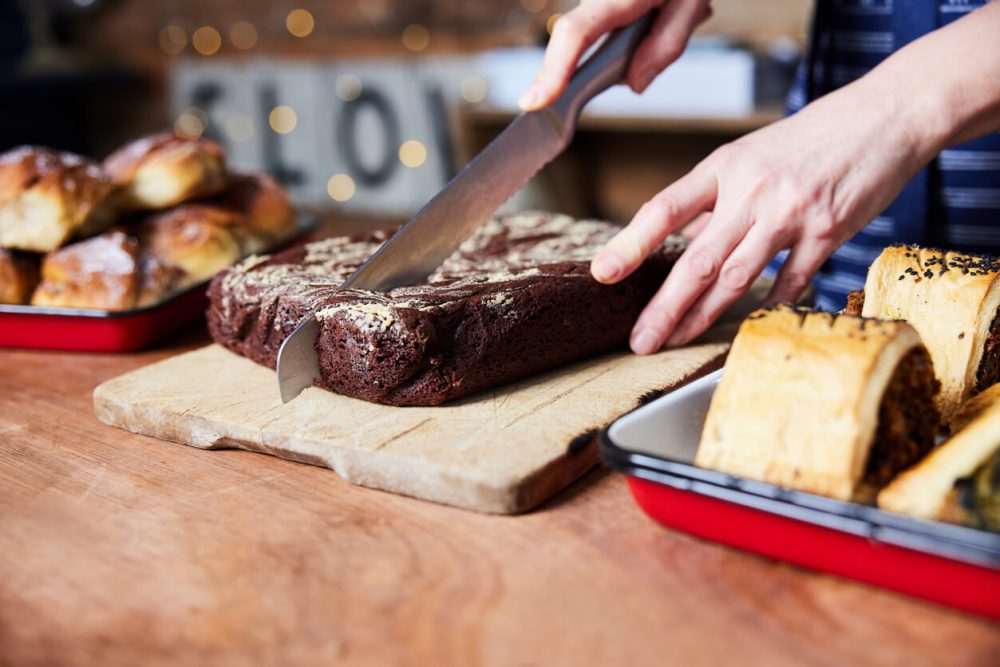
x,y
516,299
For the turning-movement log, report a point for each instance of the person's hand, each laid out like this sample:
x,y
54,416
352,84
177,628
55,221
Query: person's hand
x,y
807,183
577,30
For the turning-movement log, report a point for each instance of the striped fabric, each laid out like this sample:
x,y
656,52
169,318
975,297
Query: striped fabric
x,y
955,202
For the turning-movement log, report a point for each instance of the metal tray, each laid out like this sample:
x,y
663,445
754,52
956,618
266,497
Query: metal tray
x,y
90,330
655,447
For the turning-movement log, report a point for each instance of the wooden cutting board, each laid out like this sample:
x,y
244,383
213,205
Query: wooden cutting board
x,y
503,451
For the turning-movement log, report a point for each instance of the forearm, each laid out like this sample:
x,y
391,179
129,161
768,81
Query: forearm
x,y
945,86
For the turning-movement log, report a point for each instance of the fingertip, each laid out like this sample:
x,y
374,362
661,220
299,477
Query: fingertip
x,y
529,99
644,341
607,267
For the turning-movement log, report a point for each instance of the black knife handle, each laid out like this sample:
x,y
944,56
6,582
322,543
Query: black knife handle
x,y
603,69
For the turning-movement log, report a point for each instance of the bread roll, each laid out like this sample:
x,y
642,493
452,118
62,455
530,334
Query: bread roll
x,y
195,241
958,481
102,273
264,205
821,403
18,277
165,169
48,197
951,299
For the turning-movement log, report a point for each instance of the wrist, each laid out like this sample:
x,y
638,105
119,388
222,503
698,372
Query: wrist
x,y
917,114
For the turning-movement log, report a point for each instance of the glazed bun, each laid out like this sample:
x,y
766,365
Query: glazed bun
x,y
18,277
102,272
48,197
165,169
195,240
264,206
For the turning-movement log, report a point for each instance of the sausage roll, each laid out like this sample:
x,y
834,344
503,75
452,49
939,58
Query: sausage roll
x,y
829,404
951,299
960,481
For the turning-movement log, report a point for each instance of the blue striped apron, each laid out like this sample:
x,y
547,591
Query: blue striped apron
x,y
955,201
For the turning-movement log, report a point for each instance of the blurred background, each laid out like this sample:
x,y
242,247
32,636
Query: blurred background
x,y
365,108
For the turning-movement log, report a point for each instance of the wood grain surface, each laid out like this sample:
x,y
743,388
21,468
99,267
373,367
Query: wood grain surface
x,y
118,550
502,451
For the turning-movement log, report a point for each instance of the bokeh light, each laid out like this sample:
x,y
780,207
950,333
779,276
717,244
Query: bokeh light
x,y
206,40
173,39
473,89
348,87
300,22
416,37
243,35
191,122
533,5
282,119
239,127
412,153
340,187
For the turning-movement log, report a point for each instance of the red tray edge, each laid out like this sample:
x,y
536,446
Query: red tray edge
x,y
964,586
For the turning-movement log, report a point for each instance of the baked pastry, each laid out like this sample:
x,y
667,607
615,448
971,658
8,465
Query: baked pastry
x,y
952,300
102,272
165,169
48,197
516,299
960,480
821,403
191,243
18,277
264,206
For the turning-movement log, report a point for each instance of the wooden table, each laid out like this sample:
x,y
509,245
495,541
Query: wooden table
x,y
117,549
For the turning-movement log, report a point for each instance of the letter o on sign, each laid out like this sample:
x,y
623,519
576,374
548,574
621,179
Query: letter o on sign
x,y
347,137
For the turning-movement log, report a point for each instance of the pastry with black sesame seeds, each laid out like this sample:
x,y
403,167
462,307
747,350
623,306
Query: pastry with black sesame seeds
x,y
955,310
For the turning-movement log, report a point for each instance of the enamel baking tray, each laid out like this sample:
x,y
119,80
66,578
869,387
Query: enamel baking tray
x,y
88,330
655,446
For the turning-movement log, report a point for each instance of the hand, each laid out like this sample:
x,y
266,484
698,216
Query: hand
x,y
808,183
578,29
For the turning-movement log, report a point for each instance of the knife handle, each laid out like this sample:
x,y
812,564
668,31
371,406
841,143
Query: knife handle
x,y
603,69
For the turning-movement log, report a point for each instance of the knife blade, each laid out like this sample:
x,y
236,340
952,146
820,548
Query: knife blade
x,y
420,246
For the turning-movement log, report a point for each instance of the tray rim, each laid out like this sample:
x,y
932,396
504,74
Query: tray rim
x,y
936,538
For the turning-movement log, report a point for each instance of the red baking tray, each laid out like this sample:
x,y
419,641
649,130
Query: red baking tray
x,y
655,445
85,330
80,330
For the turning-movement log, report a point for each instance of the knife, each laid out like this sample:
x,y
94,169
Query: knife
x,y
420,246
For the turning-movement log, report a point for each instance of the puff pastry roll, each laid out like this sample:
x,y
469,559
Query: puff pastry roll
x,y
951,299
960,480
833,405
